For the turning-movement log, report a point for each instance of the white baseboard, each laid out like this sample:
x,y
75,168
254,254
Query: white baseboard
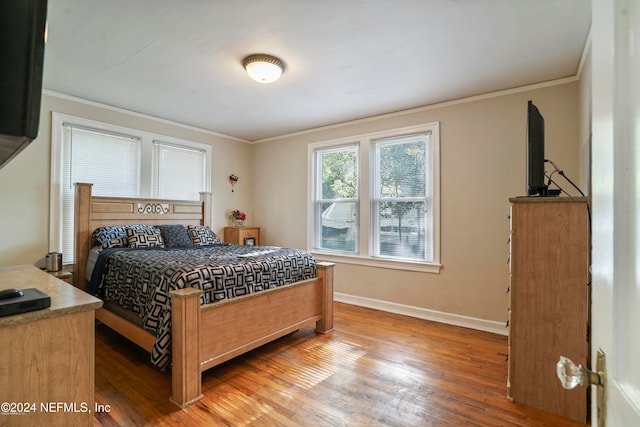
x,y
423,313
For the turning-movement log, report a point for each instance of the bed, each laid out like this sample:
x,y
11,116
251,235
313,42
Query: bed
x,y
206,328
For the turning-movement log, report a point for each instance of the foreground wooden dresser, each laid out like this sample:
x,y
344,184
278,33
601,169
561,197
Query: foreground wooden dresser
x,y
549,301
47,356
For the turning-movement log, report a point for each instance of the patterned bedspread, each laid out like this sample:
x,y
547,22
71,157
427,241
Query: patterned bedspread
x,y
139,280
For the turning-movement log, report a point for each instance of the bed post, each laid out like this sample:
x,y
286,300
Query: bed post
x,y
325,273
82,234
205,198
186,377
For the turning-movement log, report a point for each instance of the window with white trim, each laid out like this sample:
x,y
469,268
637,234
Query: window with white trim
x,y
119,162
375,198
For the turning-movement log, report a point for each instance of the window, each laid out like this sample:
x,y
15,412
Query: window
x,y
375,199
337,203
110,161
400,202
118,162
178,171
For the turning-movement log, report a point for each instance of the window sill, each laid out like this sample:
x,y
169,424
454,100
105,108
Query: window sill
x,y
422,267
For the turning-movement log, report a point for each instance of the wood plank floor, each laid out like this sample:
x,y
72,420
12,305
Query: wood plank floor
x,y
375,369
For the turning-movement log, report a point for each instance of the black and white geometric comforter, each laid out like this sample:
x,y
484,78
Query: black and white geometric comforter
x,y
140,279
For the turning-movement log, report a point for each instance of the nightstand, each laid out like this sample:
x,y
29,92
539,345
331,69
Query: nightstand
x,y
242,235
66,275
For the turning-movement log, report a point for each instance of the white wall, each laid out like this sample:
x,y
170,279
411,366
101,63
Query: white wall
x,y
24,182
482,165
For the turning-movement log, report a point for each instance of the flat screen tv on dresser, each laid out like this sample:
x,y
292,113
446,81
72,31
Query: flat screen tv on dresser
x,y
535,152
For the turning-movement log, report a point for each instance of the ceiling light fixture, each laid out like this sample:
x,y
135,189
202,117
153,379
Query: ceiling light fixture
x,y
263,68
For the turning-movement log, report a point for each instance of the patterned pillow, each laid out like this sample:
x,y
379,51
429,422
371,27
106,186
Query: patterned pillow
x,y
175,236
144,238
114,236
202,235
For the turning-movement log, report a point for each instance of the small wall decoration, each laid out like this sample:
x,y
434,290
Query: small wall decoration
x,y
233,179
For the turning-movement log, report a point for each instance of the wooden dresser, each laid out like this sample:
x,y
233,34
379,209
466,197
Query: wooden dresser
x,y
549,301
47,364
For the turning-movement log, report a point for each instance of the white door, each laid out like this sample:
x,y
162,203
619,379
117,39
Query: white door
x,y
616,204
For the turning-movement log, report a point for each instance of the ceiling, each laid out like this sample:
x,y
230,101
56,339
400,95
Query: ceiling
x,y
345,59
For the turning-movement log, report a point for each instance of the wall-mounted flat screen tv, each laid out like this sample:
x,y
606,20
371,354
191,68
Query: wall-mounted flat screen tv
x,y
22,34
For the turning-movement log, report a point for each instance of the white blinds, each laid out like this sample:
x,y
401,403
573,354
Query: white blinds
x,y
111,162
402,200
179,172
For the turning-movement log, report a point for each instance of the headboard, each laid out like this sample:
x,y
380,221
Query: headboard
x,y
92,212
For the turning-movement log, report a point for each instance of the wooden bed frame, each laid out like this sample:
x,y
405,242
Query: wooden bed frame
x,y
262,317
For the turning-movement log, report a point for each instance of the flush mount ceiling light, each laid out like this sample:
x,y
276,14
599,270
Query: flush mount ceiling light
x,y
263,68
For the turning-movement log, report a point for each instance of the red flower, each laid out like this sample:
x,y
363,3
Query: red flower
x,y
238,215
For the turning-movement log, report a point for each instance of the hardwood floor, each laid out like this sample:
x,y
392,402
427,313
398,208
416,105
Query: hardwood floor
x,y
375,369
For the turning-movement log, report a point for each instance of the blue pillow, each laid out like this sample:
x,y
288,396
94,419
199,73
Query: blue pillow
x,y
175,236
